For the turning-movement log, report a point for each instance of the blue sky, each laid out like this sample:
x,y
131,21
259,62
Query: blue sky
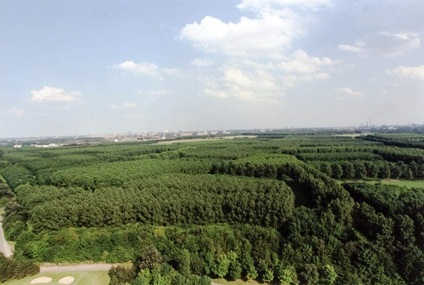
x,y
92,67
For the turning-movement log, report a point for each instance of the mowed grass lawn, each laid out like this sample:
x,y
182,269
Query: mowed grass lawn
x,y
102,278
81,278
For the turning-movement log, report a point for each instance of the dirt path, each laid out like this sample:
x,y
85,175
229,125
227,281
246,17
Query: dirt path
x,y
77,267
4,246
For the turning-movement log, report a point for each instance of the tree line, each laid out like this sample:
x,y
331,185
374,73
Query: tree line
x,y
163,200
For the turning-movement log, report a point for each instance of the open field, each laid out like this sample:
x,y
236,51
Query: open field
x,y
81,278
222,281
406,183
167,142
402,183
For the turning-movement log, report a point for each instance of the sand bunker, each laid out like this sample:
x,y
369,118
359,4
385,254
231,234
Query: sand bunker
x,y
66,280
41,280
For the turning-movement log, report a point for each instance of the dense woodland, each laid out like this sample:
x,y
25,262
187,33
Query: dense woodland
x,y
287,208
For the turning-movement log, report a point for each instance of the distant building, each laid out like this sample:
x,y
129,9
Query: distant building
x,y
204,133
186,134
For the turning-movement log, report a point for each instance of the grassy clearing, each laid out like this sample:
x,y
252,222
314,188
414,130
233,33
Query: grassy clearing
x,y
81,278
406,183
206,139
222,281
403,183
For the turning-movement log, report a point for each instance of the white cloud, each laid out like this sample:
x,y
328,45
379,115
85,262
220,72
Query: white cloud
x,y
53,94
236,77
274,26
202,62
265,34
172,71
349,92
384,43
255,81
261,5
356,48
291,80
304,68
303,63
126,105
255,86
412,72
155,92
15,112
146,68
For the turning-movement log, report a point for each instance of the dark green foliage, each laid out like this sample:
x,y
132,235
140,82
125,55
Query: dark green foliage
x,y
15,269
265,208
399,140
328,275
162,200
120,275
388,216
16,175
148,258
308,274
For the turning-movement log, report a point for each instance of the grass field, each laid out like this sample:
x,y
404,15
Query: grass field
x,y
406,183
222,281
81,278
204,139
101,278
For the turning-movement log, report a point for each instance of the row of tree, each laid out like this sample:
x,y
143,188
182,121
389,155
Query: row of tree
x,y
371,169
162,200
398,141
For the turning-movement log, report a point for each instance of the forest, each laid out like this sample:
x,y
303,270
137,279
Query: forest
x,y
286,208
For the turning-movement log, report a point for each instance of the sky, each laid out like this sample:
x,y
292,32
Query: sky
x,y
115,66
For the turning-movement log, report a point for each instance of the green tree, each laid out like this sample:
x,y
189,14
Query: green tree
x,y
251,271
235,268
384,171
149,257
268,275
184,263
328,275
221,266
144,277
337,170
360,170
348,170
308,274
287,275
326,168
120,275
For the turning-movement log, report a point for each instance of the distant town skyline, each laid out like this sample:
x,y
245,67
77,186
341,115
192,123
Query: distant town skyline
x,y
98,67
